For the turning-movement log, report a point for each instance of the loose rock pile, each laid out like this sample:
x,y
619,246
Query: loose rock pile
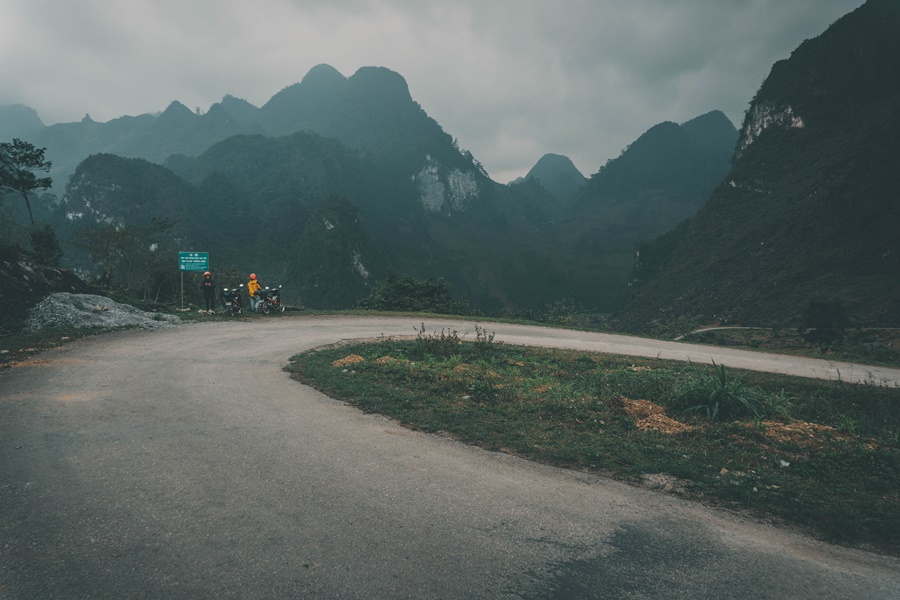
x,y
87,310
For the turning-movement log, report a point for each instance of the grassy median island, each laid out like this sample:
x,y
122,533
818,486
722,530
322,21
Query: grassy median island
x,y
823,456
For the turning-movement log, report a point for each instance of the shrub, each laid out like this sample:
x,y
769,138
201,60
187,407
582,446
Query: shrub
x,y
438,345
406,293
563,312
46,245
823,322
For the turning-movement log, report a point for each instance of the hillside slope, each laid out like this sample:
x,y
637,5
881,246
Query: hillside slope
x,y
33,282
811,209
658,181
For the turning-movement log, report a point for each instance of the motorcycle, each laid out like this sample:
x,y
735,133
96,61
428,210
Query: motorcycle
x,y
232,299
270,299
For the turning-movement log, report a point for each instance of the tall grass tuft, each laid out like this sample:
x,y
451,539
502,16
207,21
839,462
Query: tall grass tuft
x,y
718,397
436,345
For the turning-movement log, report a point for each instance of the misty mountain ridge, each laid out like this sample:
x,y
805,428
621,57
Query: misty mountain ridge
x,y
19,121
557,174
371,111
810,211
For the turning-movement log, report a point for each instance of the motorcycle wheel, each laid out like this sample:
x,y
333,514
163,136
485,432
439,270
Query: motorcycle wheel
x,y
230,310
281,307
265,307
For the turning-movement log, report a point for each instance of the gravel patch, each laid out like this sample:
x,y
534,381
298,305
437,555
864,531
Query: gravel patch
x,y
88,310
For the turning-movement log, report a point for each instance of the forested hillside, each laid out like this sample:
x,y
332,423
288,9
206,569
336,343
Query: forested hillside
x,y
810,212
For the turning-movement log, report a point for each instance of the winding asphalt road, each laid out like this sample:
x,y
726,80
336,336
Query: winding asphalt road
x,y
184,463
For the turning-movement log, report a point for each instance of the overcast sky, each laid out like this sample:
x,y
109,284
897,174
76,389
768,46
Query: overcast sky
x,y
512,80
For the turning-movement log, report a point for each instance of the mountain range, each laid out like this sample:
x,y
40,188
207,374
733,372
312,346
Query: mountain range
x,y
371,111
337,180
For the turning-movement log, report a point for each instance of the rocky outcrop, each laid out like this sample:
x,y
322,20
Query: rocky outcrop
x,y
26,283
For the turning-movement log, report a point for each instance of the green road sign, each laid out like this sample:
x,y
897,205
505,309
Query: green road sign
x,y
193,261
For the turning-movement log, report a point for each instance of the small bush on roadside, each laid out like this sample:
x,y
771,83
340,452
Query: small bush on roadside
x,y
564,312
824,322
438,345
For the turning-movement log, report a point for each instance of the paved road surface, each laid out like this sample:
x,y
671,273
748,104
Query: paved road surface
x,y
184,463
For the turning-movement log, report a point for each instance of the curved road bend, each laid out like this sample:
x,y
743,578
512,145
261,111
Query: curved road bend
x,y
184,463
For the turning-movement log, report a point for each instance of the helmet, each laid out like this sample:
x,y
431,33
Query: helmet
x,y
252,275
207,273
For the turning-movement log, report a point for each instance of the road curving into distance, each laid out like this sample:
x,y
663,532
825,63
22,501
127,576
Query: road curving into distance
x,y
185,463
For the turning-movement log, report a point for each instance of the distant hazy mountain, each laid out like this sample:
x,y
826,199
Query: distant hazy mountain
x,y
372,112
558,175
810,210
241,111
18,121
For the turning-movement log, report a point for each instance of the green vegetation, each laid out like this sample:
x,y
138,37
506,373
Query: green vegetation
x,y
18,162
404,293
135,259
823,456
46,245
864,346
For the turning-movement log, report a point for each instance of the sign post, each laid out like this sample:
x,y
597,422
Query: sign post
x,y
191,261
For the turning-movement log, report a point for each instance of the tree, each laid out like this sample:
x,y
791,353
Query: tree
x,y
18,161
135,259
46,245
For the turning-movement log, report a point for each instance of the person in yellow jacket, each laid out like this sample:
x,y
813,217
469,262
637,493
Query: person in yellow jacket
x,y
253,287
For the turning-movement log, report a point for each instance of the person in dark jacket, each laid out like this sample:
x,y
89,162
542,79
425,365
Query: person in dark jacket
x,y
208,287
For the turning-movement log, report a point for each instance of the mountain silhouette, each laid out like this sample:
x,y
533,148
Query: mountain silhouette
x,y
19,121
558,176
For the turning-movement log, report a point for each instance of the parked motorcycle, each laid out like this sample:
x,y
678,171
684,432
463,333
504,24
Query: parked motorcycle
x,y
270,299
232,299
275,297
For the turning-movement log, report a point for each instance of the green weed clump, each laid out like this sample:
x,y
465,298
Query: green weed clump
x,y
448,343
717,396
